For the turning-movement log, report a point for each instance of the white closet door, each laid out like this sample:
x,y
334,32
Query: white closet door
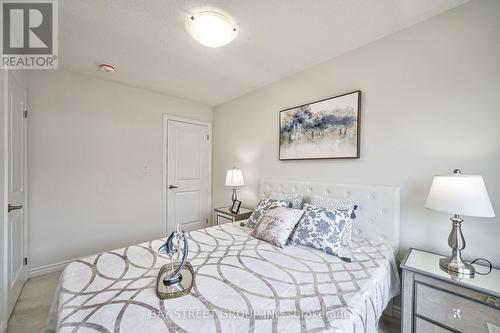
x,y
188,201
16,229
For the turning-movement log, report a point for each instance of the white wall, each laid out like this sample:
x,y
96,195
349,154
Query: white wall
x,y
88,143
430,103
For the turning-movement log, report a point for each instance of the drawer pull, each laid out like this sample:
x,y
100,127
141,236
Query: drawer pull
x,y
457,313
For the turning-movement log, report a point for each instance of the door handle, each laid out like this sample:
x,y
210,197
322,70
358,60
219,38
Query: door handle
x,y
172,187
13,207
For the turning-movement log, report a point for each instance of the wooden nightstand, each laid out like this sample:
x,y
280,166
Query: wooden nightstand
x,y
223,215
434,301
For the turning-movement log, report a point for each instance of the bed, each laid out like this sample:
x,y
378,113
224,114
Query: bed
x,y
243,284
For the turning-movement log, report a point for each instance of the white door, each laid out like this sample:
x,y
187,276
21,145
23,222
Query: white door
x,y
16,268
188,172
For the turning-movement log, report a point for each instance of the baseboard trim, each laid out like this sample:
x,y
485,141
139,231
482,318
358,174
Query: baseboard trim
x,y
42,270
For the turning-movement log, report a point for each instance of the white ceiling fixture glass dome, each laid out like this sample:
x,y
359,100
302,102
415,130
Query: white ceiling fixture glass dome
x,y
212,29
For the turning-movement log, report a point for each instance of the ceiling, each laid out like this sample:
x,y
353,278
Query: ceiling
x,y
150,47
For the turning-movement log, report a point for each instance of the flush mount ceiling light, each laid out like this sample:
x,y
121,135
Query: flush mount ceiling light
x,y
107,68
212,29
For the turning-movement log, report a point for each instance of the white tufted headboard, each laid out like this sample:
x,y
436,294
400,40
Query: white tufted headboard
x,y
378,212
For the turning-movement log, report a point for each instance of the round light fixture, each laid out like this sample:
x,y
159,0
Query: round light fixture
x,y
212,29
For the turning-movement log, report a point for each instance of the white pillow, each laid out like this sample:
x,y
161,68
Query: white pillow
x,y
276,224
263,205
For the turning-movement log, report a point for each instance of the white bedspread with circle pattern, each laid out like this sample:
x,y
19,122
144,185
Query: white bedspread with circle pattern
x,y
241,285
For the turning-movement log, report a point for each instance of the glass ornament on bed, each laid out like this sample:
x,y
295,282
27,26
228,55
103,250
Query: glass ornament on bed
x,y
176,278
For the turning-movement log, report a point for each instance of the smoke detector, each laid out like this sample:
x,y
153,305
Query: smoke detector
x,y
107,68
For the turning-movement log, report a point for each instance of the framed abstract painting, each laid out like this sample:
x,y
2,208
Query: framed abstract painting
x,y
321,130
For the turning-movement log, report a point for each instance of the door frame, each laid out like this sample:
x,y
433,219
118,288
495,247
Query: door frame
x,y
166,118
4,297
5,181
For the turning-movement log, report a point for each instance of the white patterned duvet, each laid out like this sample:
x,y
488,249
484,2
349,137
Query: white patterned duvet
x,y
241,285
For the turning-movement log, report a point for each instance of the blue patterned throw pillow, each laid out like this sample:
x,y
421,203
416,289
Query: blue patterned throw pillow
x,y
263,205
295,199
338,204
321,229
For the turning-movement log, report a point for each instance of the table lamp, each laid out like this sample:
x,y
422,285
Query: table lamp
x,y
234,178
458,195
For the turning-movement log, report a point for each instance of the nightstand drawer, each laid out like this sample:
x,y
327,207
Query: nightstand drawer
x,y
221,219
424,326
454,311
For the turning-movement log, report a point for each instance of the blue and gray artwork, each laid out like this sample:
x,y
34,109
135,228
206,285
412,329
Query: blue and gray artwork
x,y
326,129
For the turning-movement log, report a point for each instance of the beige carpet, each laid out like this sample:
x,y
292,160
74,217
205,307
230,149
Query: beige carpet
x,y
32,308
389,325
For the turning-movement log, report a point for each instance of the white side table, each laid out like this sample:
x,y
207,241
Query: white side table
x,y
223,215
435,301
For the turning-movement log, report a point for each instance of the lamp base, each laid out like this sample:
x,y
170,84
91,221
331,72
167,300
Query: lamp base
x,y
234,197
455,264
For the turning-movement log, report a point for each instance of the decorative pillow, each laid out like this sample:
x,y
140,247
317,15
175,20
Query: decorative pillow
x,y
335,204
263,205
322,229
296,199
338,204
276,224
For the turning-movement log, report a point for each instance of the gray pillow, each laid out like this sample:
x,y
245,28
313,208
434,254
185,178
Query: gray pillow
x,y
263,205
321,229
296,199
345,204
276,224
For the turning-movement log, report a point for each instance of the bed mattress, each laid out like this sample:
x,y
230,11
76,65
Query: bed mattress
x,y
241,285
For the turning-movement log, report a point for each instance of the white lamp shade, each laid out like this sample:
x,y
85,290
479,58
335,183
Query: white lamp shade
x,y
460,194
234,177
